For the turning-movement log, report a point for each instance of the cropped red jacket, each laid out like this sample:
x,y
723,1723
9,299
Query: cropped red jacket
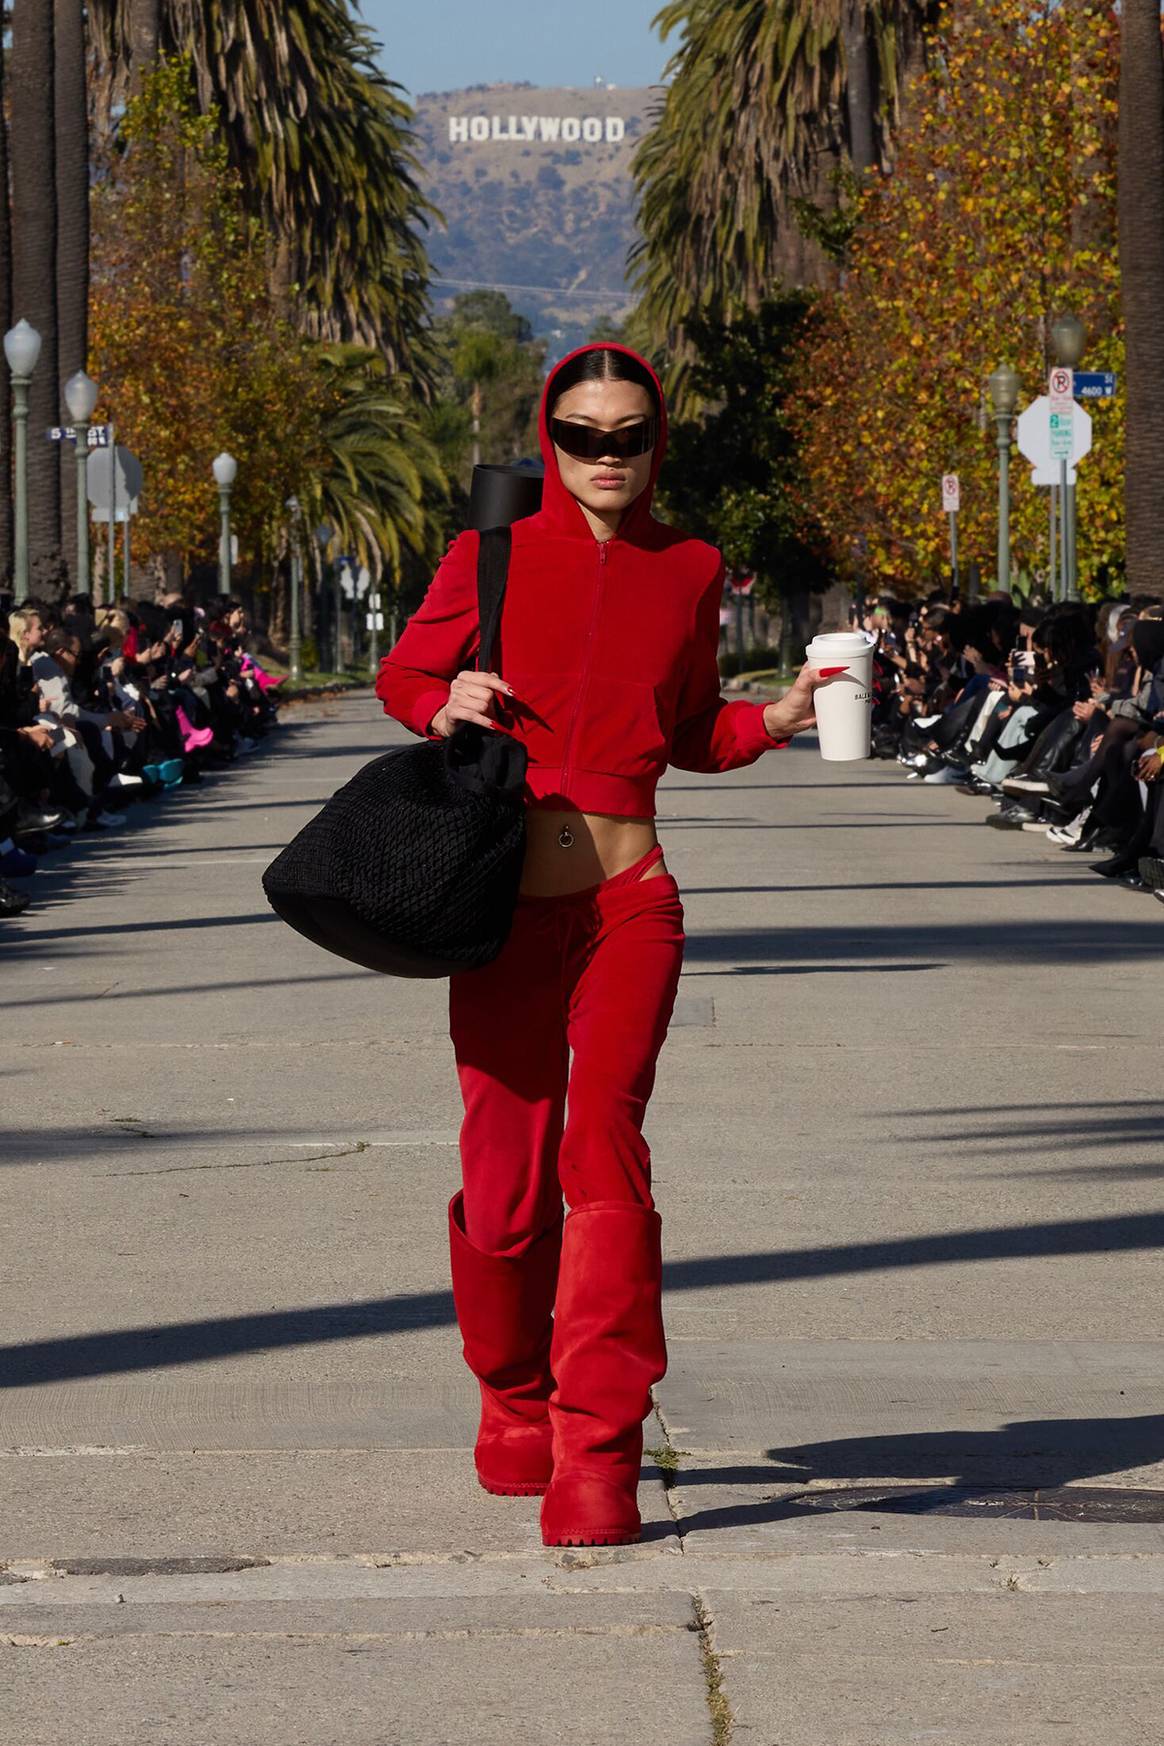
x,y
610,649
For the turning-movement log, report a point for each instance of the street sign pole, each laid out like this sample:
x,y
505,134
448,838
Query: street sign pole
x,y
952,503
1052,579
1072,571
953,554
125,558
1061,399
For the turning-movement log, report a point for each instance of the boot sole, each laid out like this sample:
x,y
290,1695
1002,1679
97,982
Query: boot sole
x,y
595,1537
523,1488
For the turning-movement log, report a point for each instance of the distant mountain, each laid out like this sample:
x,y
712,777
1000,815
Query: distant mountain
x,y
535,188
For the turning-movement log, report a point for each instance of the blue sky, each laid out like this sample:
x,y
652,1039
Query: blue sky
x,y
442,45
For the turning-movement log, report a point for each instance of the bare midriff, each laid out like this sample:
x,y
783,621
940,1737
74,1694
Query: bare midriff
x,y
570,851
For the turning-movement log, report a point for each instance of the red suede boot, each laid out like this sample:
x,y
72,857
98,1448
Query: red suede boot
x,y
608,1349
504,1304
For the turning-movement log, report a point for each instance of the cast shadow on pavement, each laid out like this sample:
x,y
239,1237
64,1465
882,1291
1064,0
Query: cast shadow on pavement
x,y
1025,1455
117,1351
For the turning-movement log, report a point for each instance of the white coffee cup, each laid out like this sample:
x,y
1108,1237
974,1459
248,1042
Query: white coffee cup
x,y
844,707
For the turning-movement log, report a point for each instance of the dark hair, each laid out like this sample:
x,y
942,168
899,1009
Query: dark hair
x,y
59,639
603,364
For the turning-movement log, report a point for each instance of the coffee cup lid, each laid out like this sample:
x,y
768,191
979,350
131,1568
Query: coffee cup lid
x,y
841,643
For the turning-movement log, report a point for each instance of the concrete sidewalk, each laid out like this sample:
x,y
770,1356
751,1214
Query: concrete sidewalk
x,y
907,1140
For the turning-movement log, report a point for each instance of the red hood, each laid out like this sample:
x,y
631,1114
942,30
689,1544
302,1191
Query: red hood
x,y
559,508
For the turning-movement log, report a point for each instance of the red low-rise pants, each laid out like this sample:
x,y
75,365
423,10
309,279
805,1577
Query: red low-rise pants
x,y
592,975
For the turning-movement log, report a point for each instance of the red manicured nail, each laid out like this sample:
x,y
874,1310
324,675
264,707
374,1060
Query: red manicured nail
x,y
829,672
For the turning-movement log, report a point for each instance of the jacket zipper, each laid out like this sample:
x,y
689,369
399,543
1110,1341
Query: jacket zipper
x,y
584,675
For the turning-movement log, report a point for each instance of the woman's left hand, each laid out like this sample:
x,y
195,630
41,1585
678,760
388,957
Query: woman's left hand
x,y
796,709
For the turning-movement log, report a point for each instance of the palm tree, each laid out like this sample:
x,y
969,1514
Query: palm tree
x,y
34,240
766,97
322,139
1141,226
71,106
378,473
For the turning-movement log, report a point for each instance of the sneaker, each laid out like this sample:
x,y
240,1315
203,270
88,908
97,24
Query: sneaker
x,y
17,863
243,745
946,775
1159,894
1064,835
1037,824
109,821
1025,785
124,780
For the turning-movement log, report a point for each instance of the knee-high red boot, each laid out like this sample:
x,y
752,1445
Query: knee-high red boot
x,y
608,1349
504,1306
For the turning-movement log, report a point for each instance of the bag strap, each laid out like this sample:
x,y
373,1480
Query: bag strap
x,y
492,575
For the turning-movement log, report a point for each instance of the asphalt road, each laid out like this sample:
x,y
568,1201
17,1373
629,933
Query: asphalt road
x,y
907,1139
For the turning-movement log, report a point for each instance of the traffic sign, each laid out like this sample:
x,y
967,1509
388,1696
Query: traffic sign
x,y
1062,441
951,493
1061,388
124,511
1034,439
1095,384
742,584
64,433
100,481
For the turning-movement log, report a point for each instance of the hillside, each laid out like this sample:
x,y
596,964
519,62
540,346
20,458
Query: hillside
x,y
534,202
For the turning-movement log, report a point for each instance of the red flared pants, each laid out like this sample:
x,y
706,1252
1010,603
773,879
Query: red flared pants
x,y
592,975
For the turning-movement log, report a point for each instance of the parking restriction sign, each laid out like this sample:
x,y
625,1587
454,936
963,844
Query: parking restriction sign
x,y
951,493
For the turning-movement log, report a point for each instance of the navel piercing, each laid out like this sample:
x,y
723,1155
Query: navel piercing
x,y
566,837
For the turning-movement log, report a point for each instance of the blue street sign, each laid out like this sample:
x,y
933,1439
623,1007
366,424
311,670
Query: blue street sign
x,y
64,433
1094,384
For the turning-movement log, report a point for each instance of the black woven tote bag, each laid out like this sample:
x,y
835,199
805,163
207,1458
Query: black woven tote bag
x,y
413,867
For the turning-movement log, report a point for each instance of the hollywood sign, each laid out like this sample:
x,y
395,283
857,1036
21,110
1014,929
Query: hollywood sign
x,y
593,129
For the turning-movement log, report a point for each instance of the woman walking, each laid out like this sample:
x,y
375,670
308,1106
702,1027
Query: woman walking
x,y
607,662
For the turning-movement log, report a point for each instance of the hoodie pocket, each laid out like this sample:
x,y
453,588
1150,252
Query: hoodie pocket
x,y
619,731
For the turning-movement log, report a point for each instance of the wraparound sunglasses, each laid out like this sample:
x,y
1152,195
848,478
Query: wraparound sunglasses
x,y
587,443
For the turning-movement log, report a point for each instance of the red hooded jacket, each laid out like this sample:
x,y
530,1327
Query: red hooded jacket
x,y
610,649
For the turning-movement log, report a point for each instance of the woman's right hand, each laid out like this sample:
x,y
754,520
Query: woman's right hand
x,y
472,696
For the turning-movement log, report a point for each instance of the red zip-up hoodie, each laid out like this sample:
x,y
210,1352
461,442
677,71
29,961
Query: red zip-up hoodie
x,y
610,649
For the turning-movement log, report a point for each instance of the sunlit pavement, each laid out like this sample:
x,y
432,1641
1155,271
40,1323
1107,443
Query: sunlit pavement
x,y
907,1140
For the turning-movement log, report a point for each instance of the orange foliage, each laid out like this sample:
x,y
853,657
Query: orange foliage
x,y
189,351
1000,212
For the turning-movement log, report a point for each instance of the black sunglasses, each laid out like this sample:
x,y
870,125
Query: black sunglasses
x,y
587,443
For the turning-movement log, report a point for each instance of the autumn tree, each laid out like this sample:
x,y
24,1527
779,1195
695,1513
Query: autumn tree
x,y
186,345
1000,213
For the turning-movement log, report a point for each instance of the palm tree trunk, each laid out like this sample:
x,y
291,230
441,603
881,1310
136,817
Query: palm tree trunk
x,y
34,279
145,29
72,146
5,324
858,85
1141,221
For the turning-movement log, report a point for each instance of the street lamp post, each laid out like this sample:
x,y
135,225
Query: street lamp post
x,y
293,641
80,401
225,470
1068,338
22,349
1004,392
